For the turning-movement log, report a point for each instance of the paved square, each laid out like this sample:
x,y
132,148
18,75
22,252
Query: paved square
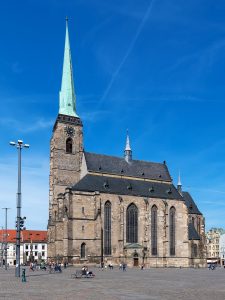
x,y
158,283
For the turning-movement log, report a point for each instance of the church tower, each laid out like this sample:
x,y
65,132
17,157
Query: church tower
x,y
66,147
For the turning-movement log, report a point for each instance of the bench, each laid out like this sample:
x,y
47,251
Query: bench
x,y
81,274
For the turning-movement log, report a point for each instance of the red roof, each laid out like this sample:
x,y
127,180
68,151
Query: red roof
x,y
26,236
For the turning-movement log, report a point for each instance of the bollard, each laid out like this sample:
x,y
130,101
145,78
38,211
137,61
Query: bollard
x,y
24,275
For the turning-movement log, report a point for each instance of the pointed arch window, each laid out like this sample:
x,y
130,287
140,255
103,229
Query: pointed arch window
x,y
194,250
69,145
172,229
154,215
107,228
83,250
132,224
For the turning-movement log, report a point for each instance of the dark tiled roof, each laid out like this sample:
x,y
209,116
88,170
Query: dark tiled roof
x,y
122,186
117,165
192,207
192,233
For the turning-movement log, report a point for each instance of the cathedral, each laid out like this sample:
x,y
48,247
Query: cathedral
x,y
108,209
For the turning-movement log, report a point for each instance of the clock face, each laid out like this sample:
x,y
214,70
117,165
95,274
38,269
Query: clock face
x,y
69,131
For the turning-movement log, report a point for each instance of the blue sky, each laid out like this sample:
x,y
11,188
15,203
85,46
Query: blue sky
x,y
155,67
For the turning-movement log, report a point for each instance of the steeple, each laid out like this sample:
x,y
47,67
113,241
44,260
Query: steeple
x,y
67,97
179,185
128,151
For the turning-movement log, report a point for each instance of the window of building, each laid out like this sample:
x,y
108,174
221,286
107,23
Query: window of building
x,y
42,254
132,224
82,210
27,247
107,228
27,253
35,253
199,225
154,230
35,247
172,230
82,250
43,247
82,227
194,250
69,145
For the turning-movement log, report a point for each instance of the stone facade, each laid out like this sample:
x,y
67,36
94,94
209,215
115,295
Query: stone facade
x,y
77,218
64,168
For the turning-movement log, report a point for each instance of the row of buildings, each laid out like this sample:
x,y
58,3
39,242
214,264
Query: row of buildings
x,y
33,246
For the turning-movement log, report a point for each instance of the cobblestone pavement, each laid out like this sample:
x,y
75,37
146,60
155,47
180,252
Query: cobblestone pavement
x,y
162,284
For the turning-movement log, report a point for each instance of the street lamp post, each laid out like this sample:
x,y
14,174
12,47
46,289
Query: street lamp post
x,y
19,145
6,237
2,248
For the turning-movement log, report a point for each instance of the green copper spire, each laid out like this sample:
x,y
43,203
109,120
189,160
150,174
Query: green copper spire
x,y
67,97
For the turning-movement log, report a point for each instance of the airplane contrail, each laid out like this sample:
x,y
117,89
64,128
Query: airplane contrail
x,y
115,74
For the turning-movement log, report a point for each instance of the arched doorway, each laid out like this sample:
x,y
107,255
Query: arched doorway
x,y
135,259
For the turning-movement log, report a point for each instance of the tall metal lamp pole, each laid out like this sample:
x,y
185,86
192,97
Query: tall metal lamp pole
x,y
6,238
19,145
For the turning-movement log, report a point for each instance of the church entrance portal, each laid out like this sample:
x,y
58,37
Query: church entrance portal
x,y
135,258
136,264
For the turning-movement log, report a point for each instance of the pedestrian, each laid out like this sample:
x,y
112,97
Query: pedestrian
x,y
31,266
124,267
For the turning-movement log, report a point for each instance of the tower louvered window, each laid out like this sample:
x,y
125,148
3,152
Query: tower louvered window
x,y
154,229
82,250
69,145
107,228
172,229
132,224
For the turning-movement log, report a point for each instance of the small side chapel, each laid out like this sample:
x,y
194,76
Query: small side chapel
x,y
106,209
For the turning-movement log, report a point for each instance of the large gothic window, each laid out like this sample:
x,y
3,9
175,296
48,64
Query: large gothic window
x,y
132,224
69,145
194,250
172,229
154,229
107,228
82,250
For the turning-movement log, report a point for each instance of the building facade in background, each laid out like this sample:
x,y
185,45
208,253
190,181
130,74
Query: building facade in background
x,y
115,209
222,249
213,242
33,247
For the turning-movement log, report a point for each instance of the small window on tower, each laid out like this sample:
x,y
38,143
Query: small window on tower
x,y
82,210
69,145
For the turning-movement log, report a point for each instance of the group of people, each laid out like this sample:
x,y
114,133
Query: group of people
x,y
87,273
54,267
123,267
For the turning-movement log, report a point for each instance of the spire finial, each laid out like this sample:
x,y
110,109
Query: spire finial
x,y
179,184
128,148
67,97
128,151
179,181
